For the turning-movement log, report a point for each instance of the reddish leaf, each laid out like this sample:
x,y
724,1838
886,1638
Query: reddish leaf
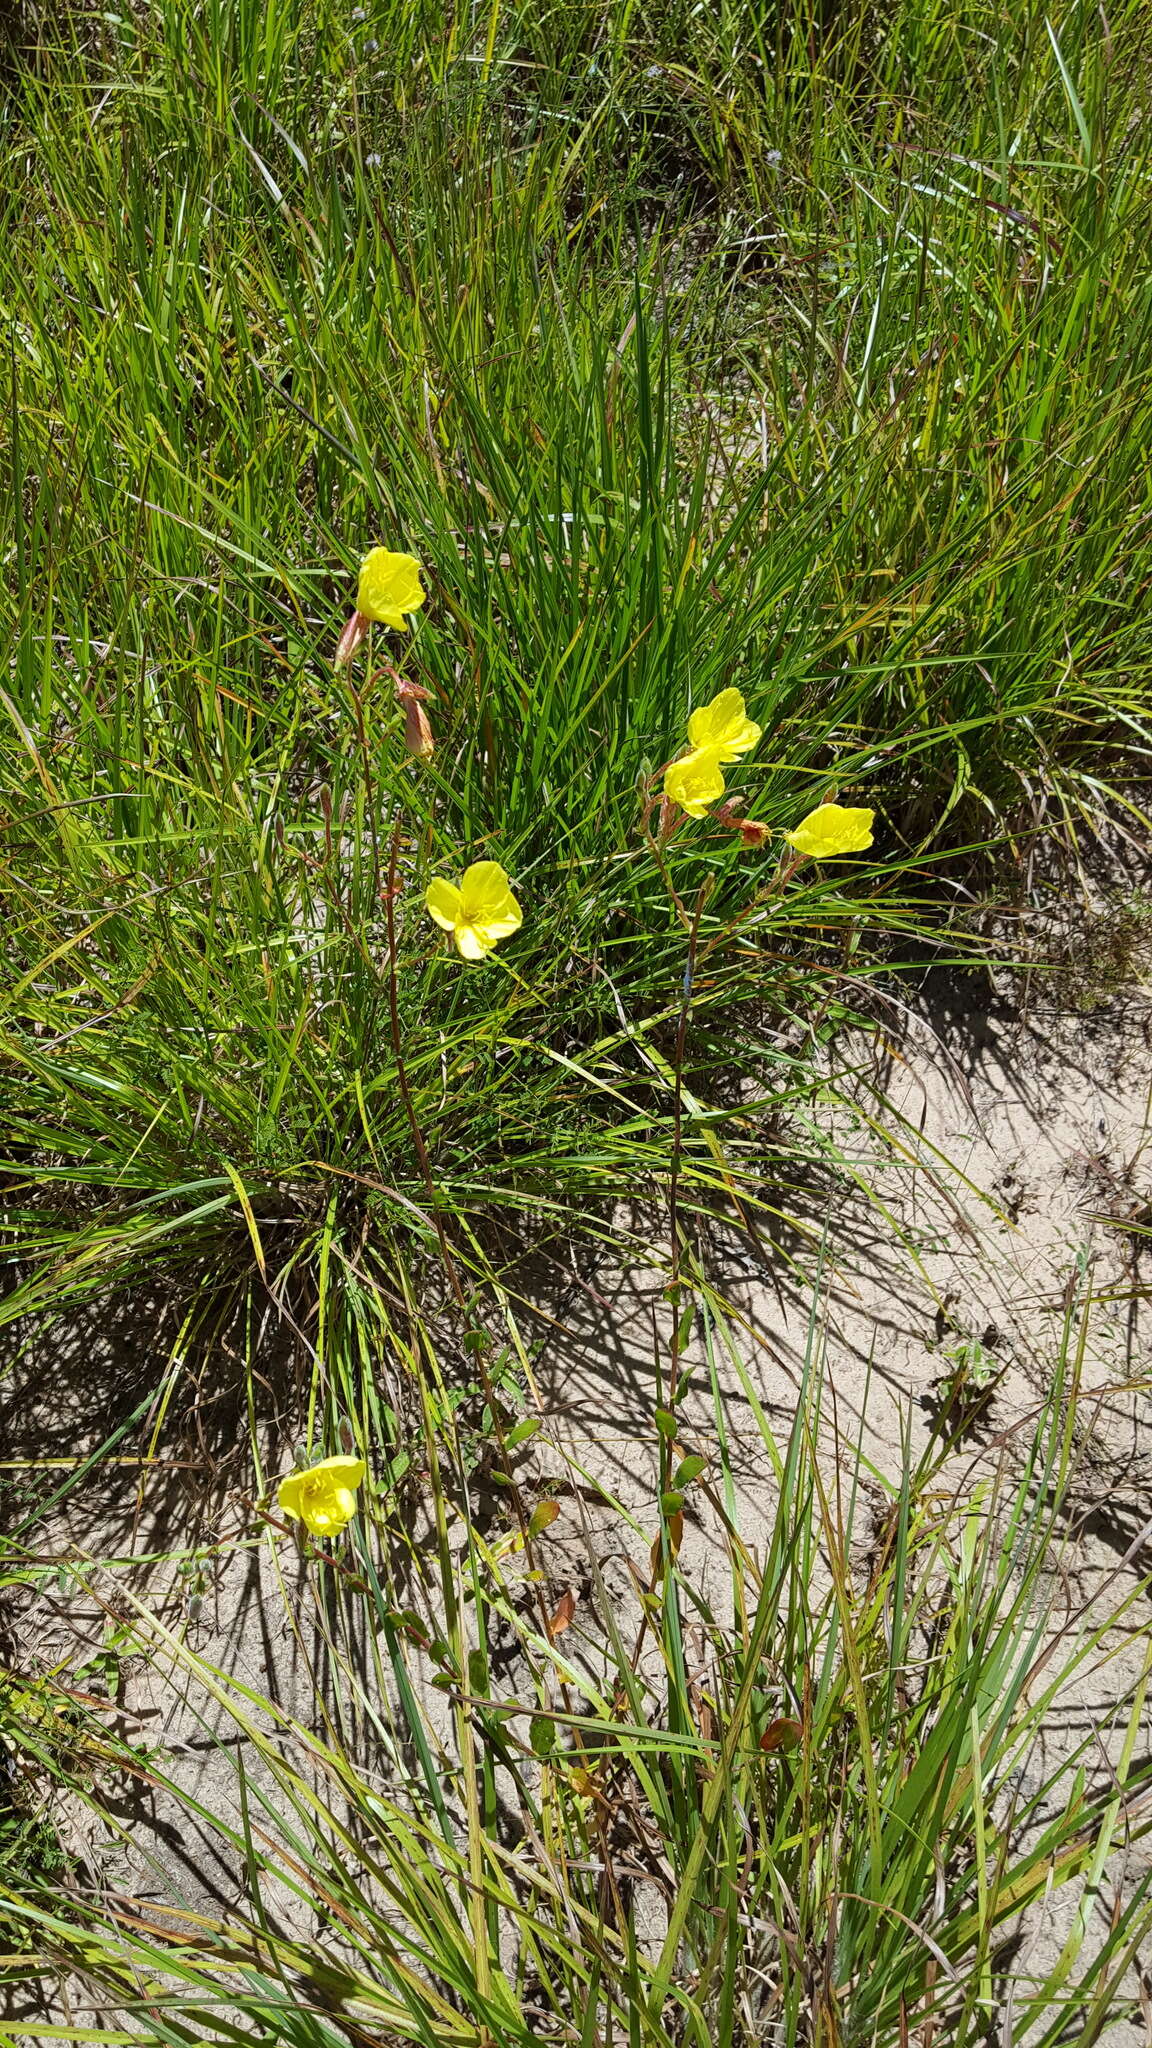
x,y
783,1734
565,1609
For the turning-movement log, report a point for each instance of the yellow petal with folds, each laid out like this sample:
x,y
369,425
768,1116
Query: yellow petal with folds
x,y
343,1471
831,830
487,898
389,586
483,886
472,942
479,912
323,1497
442,901
288,1493
695,782
724,724
502,919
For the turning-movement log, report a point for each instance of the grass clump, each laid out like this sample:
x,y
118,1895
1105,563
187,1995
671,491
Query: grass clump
x,y
689,352
802,1800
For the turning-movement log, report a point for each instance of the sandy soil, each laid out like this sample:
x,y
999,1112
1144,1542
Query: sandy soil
x,y
1004,1218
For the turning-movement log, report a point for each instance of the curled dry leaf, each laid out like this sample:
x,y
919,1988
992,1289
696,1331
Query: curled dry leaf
x,y
562,1615
782,1734
675,1527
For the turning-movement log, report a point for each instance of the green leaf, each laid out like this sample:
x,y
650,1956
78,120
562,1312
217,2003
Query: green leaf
x,y
542,1734
523,1432
688,1469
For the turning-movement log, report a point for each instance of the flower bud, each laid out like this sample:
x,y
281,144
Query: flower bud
x,y
417,731
354,635
667,820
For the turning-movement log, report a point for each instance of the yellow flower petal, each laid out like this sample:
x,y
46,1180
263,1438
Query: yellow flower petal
x,y
343,1471
389,587
487,898
832,829
288,1494
695,782
323,1497
472,942
479,912
442,901
725,725
501,920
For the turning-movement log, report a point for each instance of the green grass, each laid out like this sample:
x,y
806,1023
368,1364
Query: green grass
x,y
866,453
835,1799
805,352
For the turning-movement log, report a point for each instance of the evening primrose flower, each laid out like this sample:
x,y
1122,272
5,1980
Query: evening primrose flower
x,y
479,912
389,586
830,830
724,725
696,781
324,1497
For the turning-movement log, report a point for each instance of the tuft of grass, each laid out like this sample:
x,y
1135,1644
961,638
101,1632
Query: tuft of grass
x,y
800,351
804,1800
851,429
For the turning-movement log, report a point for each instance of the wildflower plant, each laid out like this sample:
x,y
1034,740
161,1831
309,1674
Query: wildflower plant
x,y
718,732
324,1496
237,1081
388,590
722,732
479,912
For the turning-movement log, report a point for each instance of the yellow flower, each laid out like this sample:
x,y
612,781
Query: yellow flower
x,y
696,781
832,829
723,724
324,1497
482,910
389,587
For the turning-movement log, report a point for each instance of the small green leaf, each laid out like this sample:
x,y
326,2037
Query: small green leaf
x,y
666,1423
523,1431
543,1517
688,1469
542,1735
671,1502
